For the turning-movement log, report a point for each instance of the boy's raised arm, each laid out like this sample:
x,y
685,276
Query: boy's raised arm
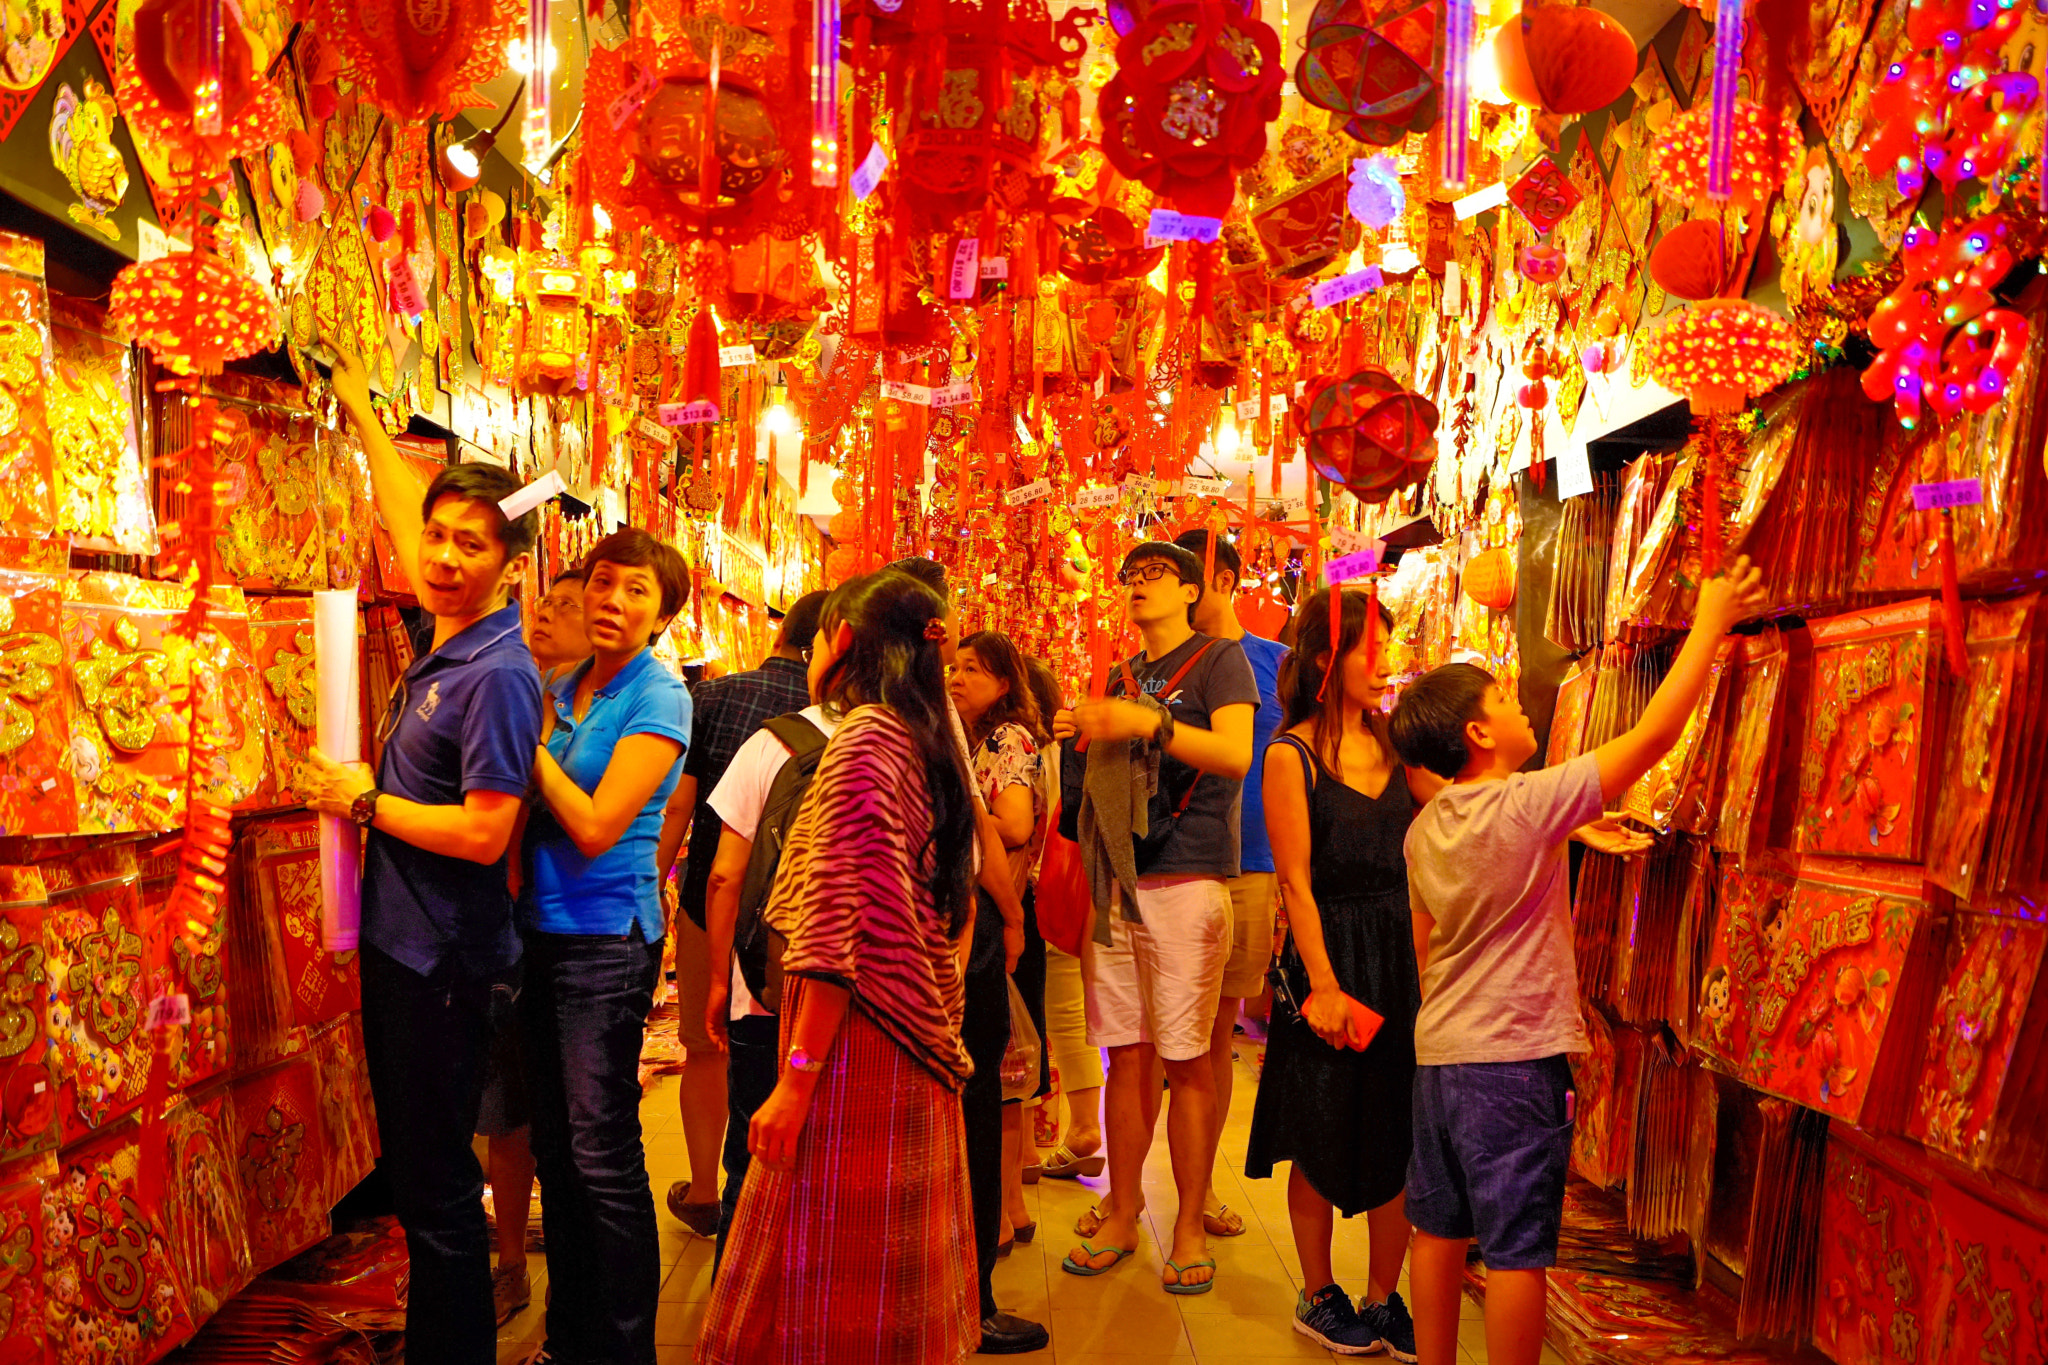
x,y
1725,599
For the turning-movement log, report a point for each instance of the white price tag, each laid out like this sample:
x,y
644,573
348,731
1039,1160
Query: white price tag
x,y
1454,289
966,268
1282,509
1030,492
652,430
731,356
920,394
687,414
636,93
1351,566
1248,408
1168,226
954,394
1140,484
152,241
996,268
988,580
1478,202
1096,497
1574,471
1346,541
1204,486
1345,287
869,173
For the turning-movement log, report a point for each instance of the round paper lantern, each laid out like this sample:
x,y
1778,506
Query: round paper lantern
x,y
1767,145
193,310
420,59
1369,434
1565,60
1489,578
1721,353
1692,261
1374,65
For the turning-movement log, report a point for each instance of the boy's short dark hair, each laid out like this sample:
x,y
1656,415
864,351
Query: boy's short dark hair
x,y
1196,543
489,484
929,572
1428,727
632,548
800,626
1187,567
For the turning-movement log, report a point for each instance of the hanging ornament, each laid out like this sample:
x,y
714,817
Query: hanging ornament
x,y
1195,87
186,81
193,310
1720,353
419,61
1373,66
1694,260
1948,109
1489,578
1564,60
1457,141
1376,198
1105,246
1766,146
1368,433
1943,339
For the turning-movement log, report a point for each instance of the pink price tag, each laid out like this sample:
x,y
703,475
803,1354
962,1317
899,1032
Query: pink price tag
x,y
1355,565
168,1011
1931,497
628,103
687,414
966,268
407,297
1345,287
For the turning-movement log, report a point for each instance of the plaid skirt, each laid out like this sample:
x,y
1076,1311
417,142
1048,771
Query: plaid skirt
x,y
863,1253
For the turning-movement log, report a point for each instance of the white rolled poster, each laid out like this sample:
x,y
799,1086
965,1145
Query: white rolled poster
x,y
339,734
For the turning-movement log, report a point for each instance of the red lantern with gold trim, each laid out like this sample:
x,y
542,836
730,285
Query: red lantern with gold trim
x,y
417,60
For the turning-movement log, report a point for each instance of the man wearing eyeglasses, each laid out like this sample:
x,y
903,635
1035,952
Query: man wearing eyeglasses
x,y
1162,934
727,710
440,956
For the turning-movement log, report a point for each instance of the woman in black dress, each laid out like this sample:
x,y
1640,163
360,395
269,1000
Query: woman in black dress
x,y
1338,806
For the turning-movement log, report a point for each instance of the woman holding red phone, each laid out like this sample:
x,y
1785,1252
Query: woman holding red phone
x,y
1334,1096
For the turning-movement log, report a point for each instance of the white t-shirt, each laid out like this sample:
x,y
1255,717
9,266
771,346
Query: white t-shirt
x,y
740,797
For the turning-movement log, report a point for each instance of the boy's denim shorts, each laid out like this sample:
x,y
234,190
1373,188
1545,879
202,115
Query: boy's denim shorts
x,y
1491,1143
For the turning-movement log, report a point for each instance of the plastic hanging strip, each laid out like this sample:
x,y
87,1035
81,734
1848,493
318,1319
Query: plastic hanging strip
x,y
1728,27
825,93
1457,93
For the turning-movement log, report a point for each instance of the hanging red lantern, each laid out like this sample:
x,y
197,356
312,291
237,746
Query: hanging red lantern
x,y
160,80
1720,353
194,311
1564,60
1375,66
1693,260
1767,146
1195,87
1368,433
1105,246
418,61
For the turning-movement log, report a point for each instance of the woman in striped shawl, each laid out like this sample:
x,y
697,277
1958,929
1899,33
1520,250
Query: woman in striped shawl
x,y
836,1256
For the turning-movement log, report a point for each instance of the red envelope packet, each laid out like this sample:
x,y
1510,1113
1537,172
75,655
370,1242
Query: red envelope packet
x,y
1365,1023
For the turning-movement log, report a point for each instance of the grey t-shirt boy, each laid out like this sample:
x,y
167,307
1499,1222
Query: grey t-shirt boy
x,y
1487,861
1206,842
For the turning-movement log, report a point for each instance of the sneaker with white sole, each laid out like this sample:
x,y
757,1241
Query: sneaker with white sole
x,y
1395,1327
511,1291
1331,1322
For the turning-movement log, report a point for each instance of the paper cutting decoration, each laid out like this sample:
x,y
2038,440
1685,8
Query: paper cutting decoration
x,y
283,862
1994,966
28,1078
111,1287
281,1159
27,482
102,491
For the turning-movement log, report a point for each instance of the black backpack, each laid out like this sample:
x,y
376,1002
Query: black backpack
x,y
757,947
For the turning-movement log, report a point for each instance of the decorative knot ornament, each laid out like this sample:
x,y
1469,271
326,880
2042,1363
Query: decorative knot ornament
x,y
193,310
1943,339
1766,146
420,59
1369,433
196,110
1720,353
1195,87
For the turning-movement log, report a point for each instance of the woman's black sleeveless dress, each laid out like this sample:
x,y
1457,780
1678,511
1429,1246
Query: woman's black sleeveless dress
x,y
1343,1117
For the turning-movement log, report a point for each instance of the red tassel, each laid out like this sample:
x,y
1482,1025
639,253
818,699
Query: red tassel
x,y
1951,596
700,358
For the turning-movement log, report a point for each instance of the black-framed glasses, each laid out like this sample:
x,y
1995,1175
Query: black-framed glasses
x,y
1146,573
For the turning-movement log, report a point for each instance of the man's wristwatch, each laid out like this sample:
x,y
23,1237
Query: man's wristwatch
x,y
800,1060
363,809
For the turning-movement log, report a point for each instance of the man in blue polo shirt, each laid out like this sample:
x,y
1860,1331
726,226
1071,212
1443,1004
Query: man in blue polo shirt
x,y
440,957
1252,890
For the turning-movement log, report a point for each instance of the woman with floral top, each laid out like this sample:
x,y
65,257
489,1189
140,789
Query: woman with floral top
x,y
992,692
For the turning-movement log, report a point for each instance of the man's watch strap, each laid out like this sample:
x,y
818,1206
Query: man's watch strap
x,y
363,810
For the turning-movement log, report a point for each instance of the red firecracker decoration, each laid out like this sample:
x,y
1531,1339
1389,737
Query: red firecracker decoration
x,y
1943,341
1196,85
417,61
1368,433
1949,110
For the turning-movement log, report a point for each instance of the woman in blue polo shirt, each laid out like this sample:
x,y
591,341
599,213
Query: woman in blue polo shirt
x,y
613,734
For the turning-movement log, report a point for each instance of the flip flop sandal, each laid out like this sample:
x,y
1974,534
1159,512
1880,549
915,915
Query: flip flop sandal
x,y
1089,1223
1074,1267
1202,1288
1223,1222
1064,1165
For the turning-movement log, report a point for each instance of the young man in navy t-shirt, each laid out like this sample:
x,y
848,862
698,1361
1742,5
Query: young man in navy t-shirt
x,y
440,956
1252,890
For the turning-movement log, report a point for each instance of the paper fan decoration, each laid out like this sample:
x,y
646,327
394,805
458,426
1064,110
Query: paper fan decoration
x,y
1375,68
1187,110
419,60
1369,434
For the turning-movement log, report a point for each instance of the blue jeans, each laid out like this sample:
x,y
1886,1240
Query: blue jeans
x,y
584,1008
426,1040
752,1069
1492,1140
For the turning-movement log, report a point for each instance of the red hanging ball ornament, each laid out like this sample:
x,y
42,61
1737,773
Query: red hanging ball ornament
x,y
1489,578
1767,146
381,223
193,310
1564,59
1721,353
1368,433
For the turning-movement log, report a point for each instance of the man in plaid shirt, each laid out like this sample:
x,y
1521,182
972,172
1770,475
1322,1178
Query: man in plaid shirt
x,y
727,711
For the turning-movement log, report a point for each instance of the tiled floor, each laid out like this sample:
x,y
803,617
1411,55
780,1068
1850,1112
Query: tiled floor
x,y
1122,1318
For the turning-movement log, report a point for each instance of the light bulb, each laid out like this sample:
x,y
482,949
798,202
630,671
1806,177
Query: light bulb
x,y
1227,440
780,420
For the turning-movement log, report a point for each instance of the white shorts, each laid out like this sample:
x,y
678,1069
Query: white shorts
x,y
1159,981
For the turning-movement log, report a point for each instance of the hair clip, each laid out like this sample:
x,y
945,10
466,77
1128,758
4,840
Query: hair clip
x,y
935,629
